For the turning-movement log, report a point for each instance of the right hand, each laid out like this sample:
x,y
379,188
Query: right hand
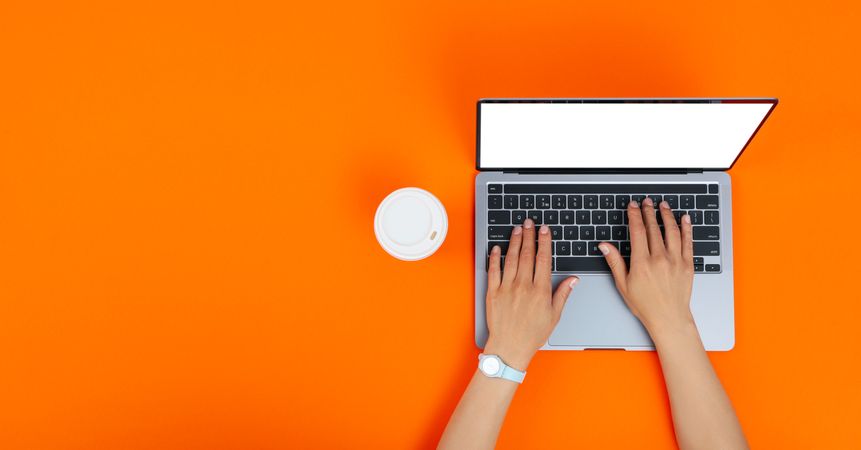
x,y
657,289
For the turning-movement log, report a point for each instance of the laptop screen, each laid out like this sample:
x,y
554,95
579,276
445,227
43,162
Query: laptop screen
x,y
616,134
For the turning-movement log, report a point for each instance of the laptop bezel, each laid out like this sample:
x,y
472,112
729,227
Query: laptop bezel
x,y
772,101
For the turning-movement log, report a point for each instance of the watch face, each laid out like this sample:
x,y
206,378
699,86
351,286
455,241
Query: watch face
x,y
490,366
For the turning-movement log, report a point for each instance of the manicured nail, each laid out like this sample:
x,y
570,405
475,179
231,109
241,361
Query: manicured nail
x,y
686,218
605,248
517,230
573,282
544,229
648,201
496,250
527,223
634,204
665,205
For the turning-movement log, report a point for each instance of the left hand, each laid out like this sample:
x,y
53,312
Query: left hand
x,y
522,308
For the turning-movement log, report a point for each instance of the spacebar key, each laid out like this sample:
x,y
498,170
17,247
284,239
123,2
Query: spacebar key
x,y
581,264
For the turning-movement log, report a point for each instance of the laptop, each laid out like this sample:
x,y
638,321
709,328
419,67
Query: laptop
x,y
574,164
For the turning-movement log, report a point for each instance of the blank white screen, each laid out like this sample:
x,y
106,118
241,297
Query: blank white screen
x,y
615,135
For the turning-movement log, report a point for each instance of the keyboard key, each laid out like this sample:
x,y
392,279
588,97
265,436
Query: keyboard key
x,y
602,233
558,202
677,214
638,198
698,267
593,248
599,217
686,202
655,198
706,248
581,264
499,233
698,259
590,201
563,248
712,217
536,217
607,202
696,217
622,201
494,202
587,232
706,233
499,217
517,217
672,200
566,217
625,249
707,202
527,201
503,245
556,233
583,217
615,217
570,233
712,267
575,201
551,217
620,233
543,201
494,188
713,189
578,248
510,202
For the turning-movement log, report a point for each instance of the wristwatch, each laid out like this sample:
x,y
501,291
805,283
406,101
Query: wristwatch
x,y
492,366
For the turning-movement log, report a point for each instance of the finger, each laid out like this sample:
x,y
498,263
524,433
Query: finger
x,y
510,271
671,231
639,245
653,232
526,261
687,241
560,297
494,274
544,259
617,265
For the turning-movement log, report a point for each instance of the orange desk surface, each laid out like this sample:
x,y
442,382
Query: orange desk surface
x,y
187,258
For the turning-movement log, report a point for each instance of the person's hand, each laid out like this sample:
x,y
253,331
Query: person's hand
x,y
657,289
522,309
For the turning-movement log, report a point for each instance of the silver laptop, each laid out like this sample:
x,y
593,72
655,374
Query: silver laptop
x,y
574,164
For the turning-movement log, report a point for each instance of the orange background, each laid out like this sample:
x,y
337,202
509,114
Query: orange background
x,y
187,189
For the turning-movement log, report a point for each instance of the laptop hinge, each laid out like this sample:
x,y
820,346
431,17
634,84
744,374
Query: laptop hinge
x,y
601,171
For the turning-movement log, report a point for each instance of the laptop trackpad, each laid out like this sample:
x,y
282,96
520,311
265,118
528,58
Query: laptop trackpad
x,y
597,317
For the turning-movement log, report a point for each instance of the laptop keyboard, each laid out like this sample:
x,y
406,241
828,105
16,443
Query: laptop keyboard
x,y
581,216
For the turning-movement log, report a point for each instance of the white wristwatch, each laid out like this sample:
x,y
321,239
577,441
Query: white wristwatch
x,y
492,366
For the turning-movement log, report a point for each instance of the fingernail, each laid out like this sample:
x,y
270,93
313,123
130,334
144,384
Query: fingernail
x,y
635,204
605,248
517,230
665,205
496,249
648,202
573,282
545,229
686,218
527,223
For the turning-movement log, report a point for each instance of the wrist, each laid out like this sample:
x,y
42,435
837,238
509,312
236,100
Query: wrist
x,y
673,331
514,356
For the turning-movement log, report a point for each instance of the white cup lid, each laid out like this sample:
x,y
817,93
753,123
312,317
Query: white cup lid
x,y
410,224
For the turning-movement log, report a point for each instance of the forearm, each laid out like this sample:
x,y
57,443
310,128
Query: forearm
x,y
703,416
476,421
